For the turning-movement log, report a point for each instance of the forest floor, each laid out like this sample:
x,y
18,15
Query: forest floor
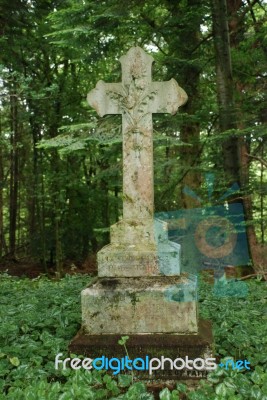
x,y
32,269
39,318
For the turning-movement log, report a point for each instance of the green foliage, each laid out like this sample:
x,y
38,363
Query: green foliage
x,y
54,52
123,340
39,317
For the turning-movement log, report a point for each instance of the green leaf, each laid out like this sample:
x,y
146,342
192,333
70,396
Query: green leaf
x,y
124,380
256,393
221,389
229,383
175,395
123,340
165,394
181,387
14,361
107,378
135,391
256,377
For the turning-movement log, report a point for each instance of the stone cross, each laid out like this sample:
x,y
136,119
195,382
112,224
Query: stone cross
x,y
136,98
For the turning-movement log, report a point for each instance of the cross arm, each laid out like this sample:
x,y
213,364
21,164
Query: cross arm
x,y
167,97
103,98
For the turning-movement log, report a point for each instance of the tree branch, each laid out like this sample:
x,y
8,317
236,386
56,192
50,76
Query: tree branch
x,y
264,274
263,162
159,47
259,147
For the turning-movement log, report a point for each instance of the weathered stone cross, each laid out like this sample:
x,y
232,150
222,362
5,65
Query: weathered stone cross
x,y
136,98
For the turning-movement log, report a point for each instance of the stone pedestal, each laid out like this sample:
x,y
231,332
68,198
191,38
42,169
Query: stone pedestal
x,y
141,293
140,289
139,306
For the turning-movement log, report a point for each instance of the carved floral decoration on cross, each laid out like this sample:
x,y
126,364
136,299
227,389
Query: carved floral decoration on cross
x,y
132,98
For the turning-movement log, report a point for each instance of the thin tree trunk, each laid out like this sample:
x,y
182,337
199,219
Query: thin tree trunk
x,y
34,190
225,89
189,77
189,158
55,164
1,201
59,255
41,216
236,165
262,200
14,172
105,208
243,147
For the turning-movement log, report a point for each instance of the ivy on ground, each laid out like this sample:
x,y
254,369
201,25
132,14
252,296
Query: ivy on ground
x,y
39,317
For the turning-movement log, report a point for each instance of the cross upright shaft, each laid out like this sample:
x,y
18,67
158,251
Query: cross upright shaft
x,y
136,98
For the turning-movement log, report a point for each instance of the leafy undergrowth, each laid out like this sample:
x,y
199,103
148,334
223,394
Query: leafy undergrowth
x,y
39,317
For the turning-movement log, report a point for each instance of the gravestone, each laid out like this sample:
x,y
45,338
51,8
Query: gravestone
x,y
140,291
133,250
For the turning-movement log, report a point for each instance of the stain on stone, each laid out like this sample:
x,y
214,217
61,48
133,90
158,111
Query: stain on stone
x,y
115,317
181,293
134,298
95,314
178,295
110,283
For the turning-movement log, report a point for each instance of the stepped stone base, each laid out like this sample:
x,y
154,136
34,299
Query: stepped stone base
x,y
139,260
141,249
152,345
141,305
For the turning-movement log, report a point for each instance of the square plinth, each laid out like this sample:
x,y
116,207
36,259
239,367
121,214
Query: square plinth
x,y
139,260
151,345
141,305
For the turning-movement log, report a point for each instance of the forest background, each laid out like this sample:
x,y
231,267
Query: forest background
x,y
61,165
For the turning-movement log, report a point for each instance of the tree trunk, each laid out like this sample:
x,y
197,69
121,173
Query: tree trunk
x,y
33,198
41,213
1,201
190,153
59,255
55,164
257,255
235,150
14,171
262,201
187,49
225,90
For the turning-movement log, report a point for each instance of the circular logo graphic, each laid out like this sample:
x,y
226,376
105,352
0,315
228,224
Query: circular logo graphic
x,y
215,237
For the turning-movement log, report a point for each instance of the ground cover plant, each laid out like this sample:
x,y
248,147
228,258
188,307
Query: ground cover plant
x,y
39,317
